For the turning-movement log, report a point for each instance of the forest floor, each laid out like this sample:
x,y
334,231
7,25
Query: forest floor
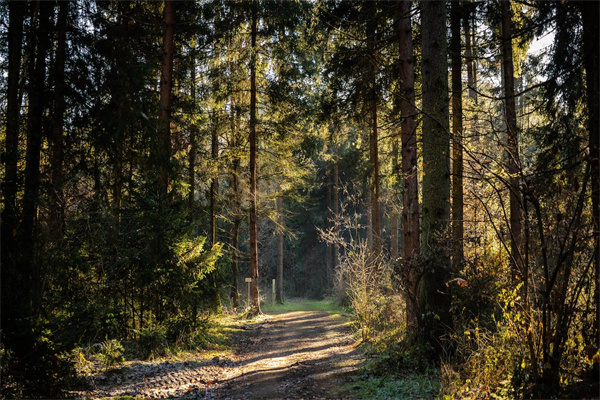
x,y
288,353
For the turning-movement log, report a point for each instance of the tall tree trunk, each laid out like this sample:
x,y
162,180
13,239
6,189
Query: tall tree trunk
x,y
512,144
253,144
214,198
373,140
375,194
192,153
56,204
236,205
329,224
369,216
457,136
395,211
29,285
118,101
13,108
118,170
411,245
235,294
281,222
166,87
214,182
9,219
11,301
433,299
469,57
591,38
235,229
336,211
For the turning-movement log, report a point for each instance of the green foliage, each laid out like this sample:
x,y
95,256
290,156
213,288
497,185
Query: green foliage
x,y
151,342
111,353
46,373
408,385
493,361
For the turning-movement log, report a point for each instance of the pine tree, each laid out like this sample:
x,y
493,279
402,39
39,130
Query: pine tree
x,y
410,198
434,301
457,138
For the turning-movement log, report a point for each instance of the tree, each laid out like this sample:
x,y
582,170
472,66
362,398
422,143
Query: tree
x,y
280,229
410,198
10,186
193,134
512,143
434,301
235,229
591,36
166,87
457,137
57,208
372,99
469,54
35,119
253,168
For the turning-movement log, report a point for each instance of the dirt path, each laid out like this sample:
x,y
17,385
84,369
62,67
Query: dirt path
x,y
299,354
290,355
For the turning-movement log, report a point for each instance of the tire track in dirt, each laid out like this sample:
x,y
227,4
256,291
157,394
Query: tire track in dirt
x,y
300,354
291,355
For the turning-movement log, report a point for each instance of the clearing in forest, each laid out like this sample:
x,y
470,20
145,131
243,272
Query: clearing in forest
x,y
294,351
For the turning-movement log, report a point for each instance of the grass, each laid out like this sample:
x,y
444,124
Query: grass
x,y
408,386
327,305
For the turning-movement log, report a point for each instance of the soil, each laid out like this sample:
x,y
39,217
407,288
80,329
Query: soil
x,y
289,355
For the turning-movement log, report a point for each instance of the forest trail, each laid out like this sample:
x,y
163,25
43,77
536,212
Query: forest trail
x,y
284,355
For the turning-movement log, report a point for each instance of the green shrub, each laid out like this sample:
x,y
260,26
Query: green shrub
x,y
152,342
111,353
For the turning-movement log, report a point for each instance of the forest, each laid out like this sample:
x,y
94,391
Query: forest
x,y
430,166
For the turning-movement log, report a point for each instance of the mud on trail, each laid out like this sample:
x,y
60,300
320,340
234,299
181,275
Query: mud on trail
x,y
286,355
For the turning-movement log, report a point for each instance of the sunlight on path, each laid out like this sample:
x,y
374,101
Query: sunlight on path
x,y
292,354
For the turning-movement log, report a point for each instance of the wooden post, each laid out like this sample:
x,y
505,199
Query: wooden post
x,y
273,292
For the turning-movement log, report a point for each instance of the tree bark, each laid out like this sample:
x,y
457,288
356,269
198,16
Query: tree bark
x,y
253,144
11,302
13,108
280,222
591,37
469,57
457,139
214,183
434,302
329,224
336,206
192,153
395,208
30,291
411,245
512,144
235,229
166,87
57,160
373,141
